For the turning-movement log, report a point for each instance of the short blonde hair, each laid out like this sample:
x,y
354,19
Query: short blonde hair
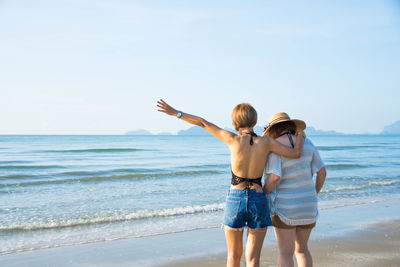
x,y
244,115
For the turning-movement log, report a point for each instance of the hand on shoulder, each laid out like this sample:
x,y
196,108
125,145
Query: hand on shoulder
x,y
301,133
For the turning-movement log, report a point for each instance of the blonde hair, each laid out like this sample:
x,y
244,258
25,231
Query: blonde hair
x,y
244,115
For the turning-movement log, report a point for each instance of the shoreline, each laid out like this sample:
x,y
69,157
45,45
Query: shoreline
x,y
377,244
339,237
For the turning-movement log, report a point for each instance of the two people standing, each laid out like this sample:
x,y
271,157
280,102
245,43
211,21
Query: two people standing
x,y
246,204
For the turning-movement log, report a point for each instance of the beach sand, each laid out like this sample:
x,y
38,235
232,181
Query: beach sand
x,y
376,245
358,235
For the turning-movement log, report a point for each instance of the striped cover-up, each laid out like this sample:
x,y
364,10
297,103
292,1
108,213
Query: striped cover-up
x,y
294,199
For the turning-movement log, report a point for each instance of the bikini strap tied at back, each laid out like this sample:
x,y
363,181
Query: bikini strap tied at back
x,y
248,182
289,134
251,137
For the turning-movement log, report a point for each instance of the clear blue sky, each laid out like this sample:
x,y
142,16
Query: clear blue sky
x,y
98,67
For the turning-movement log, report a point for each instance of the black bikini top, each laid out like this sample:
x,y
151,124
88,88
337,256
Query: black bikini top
x,y
249,181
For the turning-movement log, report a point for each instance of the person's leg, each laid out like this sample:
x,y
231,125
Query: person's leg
x,y
254,242
303,255
234,242
285,239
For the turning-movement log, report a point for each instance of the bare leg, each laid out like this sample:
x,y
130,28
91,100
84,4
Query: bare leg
x,y
303,255
254,242
234,242
285,238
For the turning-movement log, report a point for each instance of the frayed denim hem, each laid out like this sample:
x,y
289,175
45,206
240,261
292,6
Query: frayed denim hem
x,y
231,228
242,228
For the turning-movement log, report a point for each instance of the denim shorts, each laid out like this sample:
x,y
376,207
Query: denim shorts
x,y
246,207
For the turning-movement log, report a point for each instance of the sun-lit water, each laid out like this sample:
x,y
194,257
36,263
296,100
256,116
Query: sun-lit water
x,y
60,190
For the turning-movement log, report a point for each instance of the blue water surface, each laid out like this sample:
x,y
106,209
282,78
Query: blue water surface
x,y
58,190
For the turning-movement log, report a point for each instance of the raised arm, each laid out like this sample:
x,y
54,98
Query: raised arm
x,y
221,134
282,150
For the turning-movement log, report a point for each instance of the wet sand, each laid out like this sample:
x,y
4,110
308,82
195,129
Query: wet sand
x,y
358,235
377,244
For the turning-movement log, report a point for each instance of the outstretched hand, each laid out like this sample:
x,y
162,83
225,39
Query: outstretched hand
x,y
167,109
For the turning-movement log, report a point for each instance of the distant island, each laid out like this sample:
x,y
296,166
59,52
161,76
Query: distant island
x,y
196,130
138,132
312,131
392,129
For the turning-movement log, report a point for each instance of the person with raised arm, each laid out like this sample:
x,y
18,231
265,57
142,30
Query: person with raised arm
x,y
246,203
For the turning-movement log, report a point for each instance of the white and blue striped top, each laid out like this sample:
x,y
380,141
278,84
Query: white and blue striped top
x,y
294,199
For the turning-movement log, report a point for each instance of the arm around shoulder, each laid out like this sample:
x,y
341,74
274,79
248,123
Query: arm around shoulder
x,y
285,151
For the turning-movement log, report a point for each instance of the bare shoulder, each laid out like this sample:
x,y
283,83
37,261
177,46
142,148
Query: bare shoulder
x,y
265,140
231,138
280,139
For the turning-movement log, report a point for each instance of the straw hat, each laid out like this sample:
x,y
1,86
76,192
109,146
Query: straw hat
x,y
281,117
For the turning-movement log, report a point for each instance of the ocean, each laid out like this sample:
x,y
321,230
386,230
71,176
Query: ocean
x,y
68,190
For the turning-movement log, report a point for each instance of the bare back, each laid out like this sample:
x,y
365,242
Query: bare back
x,y
248,161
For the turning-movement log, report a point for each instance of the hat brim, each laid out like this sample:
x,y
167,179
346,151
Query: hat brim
x,y
300,126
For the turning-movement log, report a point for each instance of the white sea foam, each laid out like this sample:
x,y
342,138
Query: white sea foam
x,y
362,186
141,214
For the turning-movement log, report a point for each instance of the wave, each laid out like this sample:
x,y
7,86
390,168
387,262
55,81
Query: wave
x,y
110,178
332,204
14,161
208,166
17,176
87,221
332,148
33,167
362,186
96,150
345,166
124,170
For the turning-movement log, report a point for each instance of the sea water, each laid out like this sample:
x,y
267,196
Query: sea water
x,y
68,190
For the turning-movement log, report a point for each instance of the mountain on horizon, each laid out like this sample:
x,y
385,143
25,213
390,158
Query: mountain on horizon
x,y
312,131
393,128
138,132
196,130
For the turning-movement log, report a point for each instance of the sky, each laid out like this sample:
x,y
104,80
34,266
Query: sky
x,y
98,67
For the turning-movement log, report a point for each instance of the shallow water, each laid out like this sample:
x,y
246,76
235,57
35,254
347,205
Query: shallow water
x,y
58,190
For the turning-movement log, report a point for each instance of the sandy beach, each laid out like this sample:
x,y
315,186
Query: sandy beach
x,y
358,235
376,245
